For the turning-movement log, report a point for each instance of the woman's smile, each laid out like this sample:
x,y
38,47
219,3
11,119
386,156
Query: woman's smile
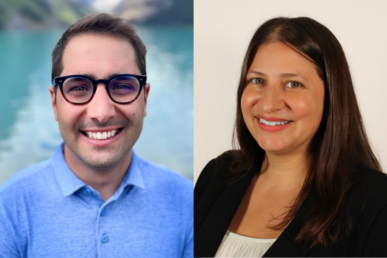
x,y
272,124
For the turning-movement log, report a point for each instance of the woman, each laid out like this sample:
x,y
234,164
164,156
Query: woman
x,y
305,181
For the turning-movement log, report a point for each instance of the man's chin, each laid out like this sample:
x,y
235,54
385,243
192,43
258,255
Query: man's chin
x,y
101,161
99,158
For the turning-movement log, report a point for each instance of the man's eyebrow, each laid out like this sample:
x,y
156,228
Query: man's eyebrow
x,y
87,75
94,77
115,74
283,75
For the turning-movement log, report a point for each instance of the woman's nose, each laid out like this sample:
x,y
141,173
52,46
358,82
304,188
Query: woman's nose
x,y
272,99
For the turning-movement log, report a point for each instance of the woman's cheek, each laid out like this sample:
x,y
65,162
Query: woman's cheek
x,y
249,99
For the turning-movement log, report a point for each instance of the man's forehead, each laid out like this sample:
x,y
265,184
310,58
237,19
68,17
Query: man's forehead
x,y
93,35
87,40
99,55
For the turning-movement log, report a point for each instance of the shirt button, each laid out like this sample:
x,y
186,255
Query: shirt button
x,y
104,239
103,212
88,191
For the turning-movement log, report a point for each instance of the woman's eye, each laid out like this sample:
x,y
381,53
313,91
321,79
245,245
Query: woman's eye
x,y
257,81
292,84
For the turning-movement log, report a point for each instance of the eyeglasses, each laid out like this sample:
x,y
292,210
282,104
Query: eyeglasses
x,y
80,89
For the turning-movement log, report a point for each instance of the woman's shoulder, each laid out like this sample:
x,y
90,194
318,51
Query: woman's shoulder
x,y
369,185
213,175
368,199
366,196
219,165
366,179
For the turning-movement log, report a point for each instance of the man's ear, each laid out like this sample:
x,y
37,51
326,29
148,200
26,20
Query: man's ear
x,y
146,94
53,101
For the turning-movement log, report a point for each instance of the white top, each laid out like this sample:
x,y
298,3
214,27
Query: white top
x,y
235,245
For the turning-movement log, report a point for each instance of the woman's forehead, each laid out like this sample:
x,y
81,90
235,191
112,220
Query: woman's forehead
x,y
278,59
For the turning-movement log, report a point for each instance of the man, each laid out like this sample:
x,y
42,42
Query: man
x,y
95,197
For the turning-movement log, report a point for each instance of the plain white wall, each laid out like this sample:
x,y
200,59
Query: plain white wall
x,y
222,31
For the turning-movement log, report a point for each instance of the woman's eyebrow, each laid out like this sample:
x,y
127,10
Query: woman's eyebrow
x,y
286,75
256,72
283,75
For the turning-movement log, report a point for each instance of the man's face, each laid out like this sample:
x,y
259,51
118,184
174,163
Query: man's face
x,y
99,56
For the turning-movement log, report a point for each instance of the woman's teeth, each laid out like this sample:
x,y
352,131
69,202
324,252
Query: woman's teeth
x,y
273,123
101,135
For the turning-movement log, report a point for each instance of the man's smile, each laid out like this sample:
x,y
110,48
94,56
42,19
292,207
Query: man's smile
x,y
101,134
100,138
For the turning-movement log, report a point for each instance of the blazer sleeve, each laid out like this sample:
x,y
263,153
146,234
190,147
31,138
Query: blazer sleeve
x,y
376,241
204,181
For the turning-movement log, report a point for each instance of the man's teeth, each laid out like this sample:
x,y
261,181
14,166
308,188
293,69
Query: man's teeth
x,y
273,123
101,135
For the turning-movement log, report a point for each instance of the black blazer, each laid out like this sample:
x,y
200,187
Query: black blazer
x,y
215,205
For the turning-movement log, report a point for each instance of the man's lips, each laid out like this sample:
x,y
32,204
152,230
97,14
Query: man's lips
x,y
100,129
95,142
101,133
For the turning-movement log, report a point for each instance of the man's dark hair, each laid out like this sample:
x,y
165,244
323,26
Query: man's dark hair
x,y
101,23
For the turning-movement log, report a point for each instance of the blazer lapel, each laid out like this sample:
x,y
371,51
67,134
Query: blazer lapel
x,y
285,246
212,229
211,233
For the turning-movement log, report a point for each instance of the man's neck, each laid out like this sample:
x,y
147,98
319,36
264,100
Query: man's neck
x,y
104,180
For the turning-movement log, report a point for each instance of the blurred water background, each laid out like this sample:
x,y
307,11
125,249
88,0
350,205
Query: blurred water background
x,y
29,31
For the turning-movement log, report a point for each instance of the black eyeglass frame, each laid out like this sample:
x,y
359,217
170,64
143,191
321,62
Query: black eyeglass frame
x,y
60,80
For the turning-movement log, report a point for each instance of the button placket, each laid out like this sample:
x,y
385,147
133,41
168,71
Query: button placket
x,y
104,238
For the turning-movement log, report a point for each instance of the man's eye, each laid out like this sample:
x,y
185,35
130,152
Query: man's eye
x,y
293,84
257,81
122,87
78,88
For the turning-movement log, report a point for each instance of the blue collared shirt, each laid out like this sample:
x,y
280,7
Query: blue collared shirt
x,y
47,211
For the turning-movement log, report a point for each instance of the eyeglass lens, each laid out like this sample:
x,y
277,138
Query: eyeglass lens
x,y
121,89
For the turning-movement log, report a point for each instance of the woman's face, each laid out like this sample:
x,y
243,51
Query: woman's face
x,y
282,103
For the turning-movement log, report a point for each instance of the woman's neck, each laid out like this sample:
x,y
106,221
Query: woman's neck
x,y
284,172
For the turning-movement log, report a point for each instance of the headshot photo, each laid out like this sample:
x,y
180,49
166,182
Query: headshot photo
x,y
91,164
289,129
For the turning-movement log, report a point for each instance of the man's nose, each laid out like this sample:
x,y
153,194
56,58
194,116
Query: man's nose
x,y
273,99
101,107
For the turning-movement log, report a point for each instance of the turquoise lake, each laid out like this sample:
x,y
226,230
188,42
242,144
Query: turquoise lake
x,y
29,132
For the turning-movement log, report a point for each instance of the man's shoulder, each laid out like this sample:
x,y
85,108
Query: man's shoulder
x,y
165,183
161,178
27,178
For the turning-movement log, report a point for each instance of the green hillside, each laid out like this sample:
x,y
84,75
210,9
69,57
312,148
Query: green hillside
x,y
35,14
42,14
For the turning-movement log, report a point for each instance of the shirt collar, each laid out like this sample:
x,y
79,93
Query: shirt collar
x,y
133,176
70,183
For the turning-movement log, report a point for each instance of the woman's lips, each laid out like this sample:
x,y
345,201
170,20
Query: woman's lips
x,y
273,124
271,118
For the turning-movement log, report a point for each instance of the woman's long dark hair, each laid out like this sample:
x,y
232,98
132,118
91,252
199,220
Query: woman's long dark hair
x,y
339,143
